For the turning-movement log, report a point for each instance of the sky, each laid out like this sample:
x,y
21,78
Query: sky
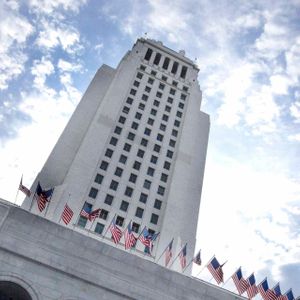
x,y
248,53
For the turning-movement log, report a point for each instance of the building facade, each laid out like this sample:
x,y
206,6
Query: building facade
x,y
135,147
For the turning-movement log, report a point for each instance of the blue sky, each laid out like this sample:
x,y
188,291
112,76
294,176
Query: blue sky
x,y
249,59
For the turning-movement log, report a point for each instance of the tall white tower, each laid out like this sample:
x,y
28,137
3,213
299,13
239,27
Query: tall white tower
x,y
134,147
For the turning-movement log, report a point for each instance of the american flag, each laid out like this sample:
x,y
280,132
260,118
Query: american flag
x,y
197,259
168,254
152,238
24,189
130,239
240,283
252,290
277,292
67,214
43,197
182,257
84,213
290,295
145,237
216,270
116,232
265,292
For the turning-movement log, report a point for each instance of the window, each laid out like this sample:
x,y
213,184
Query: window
x,y
93,193
157,59
134,125
158,94
118,172
147,184
172,91
140,153
104,165
150,171
156,103
113,141
167,165
181,105
169,154
162,127
82,221
132,178
131,136
150,80
138,116
125,110
135,227
122,119
139,75
161,86
128,191
183,72
127,147
87,207
144,142
176,123
154,219
129,100
103,214
150,121
143,197
160,137
156,148
139,212
124,205
148,54
153,159
123,159
174,132
144,97
168,108
164,78
119,221
132,92
153,112
99,228
185,88
109,153
183,97
99,178
142,67
147,131
172,143
174,67
108,199
175,83
165,118
142,106
136,84
136,165
164,177
118,130
148,89
161,190
166,63
157,204
114,185
153,73
170,100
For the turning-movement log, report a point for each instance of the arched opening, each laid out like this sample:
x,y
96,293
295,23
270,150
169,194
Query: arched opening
x,y
13,291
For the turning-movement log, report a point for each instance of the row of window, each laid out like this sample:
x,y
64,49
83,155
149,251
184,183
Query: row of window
x,y
165,63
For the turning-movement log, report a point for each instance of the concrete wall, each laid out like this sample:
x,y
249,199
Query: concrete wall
x,y
54,262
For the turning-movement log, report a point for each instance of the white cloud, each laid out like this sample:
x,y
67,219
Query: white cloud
x,y
280,84
41,69
14,32
294,137
295,111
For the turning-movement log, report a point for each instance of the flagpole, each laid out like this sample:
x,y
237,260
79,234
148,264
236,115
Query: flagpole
x,y
46,210
108,226
204,267
187,265
16,196
156,247
175,258
164,251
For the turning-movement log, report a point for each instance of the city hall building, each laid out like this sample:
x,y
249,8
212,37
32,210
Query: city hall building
x,y
134,148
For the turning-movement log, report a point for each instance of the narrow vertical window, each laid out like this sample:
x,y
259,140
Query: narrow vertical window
x,y
166,63
148,54
157,58
183,72
174,67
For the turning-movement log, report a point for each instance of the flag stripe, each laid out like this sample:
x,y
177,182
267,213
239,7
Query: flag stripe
x,y
67,214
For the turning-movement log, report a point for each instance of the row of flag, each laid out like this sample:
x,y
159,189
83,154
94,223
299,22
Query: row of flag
x,y
146,238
